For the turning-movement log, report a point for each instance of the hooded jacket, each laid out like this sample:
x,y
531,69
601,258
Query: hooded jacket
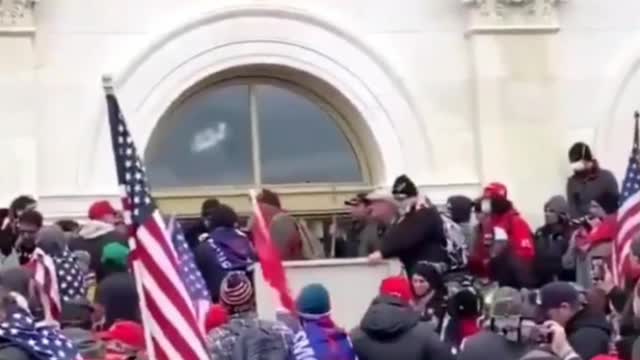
x,y
93,237
226,249
586,187
589,334
391,329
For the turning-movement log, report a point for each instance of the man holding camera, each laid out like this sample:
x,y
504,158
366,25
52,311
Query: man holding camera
x,y
587,332
511,333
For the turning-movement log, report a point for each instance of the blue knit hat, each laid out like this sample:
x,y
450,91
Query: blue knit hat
x,y
314,300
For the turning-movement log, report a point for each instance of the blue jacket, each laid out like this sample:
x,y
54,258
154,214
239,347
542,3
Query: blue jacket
x,y
224,250
322,340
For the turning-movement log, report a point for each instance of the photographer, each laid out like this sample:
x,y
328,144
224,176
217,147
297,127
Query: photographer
x,y
588,332
559,344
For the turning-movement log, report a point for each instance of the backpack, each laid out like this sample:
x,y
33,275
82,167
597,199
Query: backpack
x,y
456,248
259,342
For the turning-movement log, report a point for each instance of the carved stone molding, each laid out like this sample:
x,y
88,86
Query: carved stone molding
x,y
17,16
493,16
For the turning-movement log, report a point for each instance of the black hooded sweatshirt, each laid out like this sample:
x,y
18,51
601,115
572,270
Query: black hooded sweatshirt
x,y
391,329
416,236
588,334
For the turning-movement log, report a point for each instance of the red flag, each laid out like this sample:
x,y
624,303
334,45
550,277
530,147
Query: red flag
x,y
269,256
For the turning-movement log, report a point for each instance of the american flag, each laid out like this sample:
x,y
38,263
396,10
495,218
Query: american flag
x,y
168,311
42,343
629,212
46,281
196,286
71,280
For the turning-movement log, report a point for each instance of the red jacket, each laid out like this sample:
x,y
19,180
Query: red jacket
x,y
520,238
518,232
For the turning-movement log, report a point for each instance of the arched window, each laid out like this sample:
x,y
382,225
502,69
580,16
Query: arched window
x,y
252,132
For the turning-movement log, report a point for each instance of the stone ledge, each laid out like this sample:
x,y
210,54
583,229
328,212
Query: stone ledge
x,y
512,16
17,17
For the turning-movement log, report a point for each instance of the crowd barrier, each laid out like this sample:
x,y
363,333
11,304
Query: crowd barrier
x,y
352,284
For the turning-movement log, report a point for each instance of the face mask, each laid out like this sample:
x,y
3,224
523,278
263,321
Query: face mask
x,y
578,166
485,206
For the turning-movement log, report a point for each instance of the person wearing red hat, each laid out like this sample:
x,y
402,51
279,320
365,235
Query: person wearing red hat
x,y
124,340
391,328
506,247
103,228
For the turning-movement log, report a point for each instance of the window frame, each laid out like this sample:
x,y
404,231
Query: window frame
x,y
299,198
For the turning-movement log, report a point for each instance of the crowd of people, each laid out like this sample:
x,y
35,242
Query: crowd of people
x,y
478,281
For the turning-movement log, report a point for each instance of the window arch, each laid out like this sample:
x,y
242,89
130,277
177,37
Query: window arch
x,y
250,132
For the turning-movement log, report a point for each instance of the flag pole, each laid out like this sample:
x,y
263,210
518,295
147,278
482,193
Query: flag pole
x,y
107,85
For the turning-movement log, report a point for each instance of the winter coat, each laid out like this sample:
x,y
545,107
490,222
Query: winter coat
x,y
118,295
13,352
487,345
416,236
324,339
225,250
551,243
520,238
93,237
283,229
391,329
360,239
221,340
589,334
584,188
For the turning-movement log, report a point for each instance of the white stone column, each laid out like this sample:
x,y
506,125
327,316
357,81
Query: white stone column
x,y
18,100
514,58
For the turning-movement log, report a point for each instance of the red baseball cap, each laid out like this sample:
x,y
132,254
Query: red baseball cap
x,y
397,286
495,190
127,332
101,208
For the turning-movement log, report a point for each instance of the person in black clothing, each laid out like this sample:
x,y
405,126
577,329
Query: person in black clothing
x,y
588,180
116,296
203,225
224,249
551,242
430,293
391,329
588,332
417,233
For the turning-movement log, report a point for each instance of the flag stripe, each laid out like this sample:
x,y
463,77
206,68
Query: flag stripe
x,y
160,286
171,329
165,275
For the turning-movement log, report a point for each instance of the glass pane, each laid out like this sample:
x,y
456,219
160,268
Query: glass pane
x,y
300,142
206,141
